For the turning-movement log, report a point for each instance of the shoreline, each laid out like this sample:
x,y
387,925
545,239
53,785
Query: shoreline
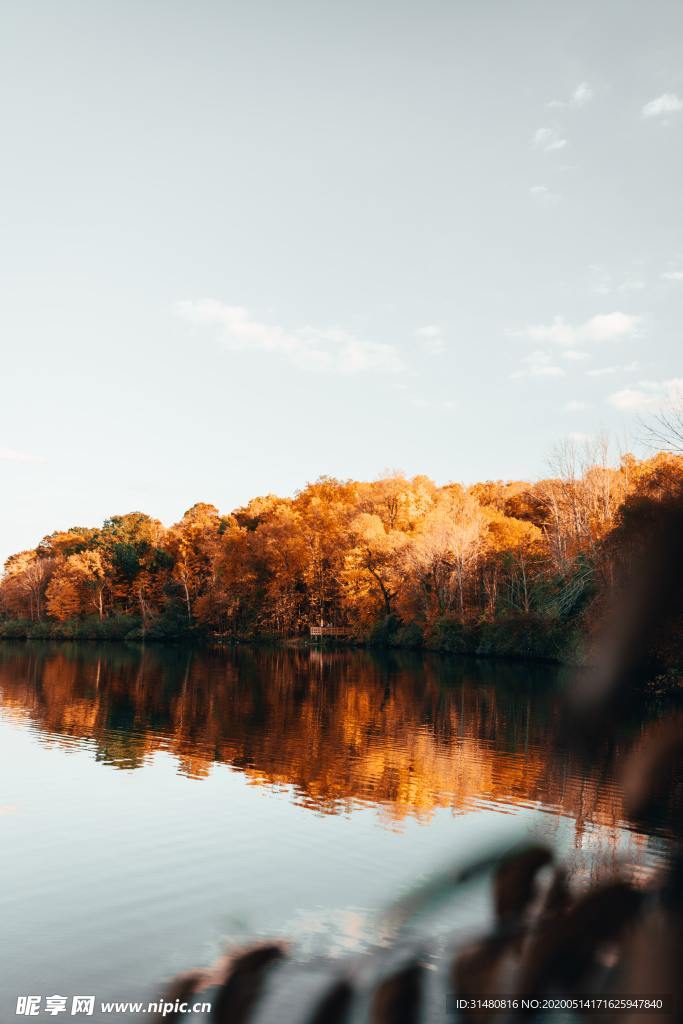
x,y
300,643
667,682
525,637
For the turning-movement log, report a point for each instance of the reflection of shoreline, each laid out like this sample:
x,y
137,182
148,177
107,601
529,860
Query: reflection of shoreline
x,y
406,734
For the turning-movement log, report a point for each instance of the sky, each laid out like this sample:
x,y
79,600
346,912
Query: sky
x,y
249,242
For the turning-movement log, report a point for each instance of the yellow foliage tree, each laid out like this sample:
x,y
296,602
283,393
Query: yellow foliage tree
x,y
78,586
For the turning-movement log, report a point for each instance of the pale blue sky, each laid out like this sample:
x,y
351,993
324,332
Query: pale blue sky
x,y
247,243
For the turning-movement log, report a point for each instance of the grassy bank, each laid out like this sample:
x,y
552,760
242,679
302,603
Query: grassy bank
x,y
513,636
530,636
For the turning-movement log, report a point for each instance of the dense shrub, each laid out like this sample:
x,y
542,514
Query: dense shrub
x,y
450,635
527,636
384,631
391,631
171,626
409,636
15,629
90,628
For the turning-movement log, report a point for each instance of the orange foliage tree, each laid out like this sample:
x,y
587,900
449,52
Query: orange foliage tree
x,y
350,553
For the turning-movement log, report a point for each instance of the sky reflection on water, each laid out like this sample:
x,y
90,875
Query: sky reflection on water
x,y
157,803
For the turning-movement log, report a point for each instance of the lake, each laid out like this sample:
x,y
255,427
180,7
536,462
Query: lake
x,y
156,804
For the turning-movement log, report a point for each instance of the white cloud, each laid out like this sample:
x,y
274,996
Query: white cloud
x,y
629,399
538,364
647,396
575,354
431,338
672,275
582,95
607,326
603,327
307,348
574,405
667,103
548,140
12,455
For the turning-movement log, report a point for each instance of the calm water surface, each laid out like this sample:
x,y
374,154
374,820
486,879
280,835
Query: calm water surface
x,y
157,804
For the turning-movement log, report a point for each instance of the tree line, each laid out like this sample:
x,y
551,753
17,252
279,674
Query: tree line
x,y
397,560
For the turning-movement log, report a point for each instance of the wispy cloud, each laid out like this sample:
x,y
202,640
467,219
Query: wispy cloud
x,y
647,396
672,275
630,368
538,364
575,354
603,327
574,405
631,284
630,399
543,195
667,103
431,339
308,348
601,279
602,371
548,140
603,282
582,95
12,455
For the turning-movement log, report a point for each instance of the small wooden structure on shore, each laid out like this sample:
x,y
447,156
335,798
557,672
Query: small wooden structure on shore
x,y
318,632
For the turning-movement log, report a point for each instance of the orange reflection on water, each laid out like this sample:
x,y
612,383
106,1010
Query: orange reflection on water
x,y
339,729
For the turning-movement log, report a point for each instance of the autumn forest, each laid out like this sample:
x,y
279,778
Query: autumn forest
x,y
496,567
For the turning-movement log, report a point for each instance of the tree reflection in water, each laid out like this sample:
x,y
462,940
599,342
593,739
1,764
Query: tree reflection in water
x,y
404,732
